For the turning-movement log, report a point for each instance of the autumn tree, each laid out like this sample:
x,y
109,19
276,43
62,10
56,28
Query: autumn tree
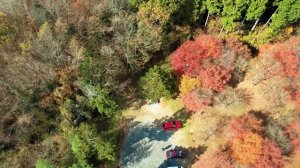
x,y
188,84
287,55
188,58
215,77
249,123
270,157
247,148
233,98
197,100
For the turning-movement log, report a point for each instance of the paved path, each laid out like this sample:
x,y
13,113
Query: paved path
x,y
143,146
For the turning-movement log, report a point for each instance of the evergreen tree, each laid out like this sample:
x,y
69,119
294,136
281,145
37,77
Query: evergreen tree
x,y
288,13
232,12
255,10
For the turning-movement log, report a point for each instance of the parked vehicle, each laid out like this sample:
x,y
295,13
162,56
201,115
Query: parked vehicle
x,y
172,125
176,153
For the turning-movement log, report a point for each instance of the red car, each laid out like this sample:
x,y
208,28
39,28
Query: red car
x,y
172,125
175,153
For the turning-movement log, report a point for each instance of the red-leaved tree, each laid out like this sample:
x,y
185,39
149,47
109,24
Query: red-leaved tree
x,y
212,45
196,100
188,58
287,53
271,156
215,77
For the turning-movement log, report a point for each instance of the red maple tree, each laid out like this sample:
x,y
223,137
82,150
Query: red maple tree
x,y
188,57
215,77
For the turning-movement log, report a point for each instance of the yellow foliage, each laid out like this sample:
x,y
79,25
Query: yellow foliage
x,y
25,46
44,30
76,49
188,84
152,12
247,148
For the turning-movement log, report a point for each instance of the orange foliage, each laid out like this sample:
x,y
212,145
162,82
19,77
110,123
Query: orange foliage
x,y
211,45
270,157
246,148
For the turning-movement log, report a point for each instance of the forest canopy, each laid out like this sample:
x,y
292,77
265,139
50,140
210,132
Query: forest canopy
x,y
70,68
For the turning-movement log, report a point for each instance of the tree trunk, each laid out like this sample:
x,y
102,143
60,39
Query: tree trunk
x,y
268,21
221,31
242,24
254,24
206,20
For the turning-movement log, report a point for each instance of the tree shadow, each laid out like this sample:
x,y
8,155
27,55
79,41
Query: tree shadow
x,y
187,162
169,163
181,115
138,142
192,155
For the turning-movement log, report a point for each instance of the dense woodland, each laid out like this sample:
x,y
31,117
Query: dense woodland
x,y
69,68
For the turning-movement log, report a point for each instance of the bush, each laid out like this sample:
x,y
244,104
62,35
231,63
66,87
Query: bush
x,y
156,83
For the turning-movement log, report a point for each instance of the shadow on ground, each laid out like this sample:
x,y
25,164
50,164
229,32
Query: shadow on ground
x,y
145,142
187,162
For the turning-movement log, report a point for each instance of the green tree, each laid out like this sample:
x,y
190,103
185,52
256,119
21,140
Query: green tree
x,y
232,12
41,163
99,98
87,142
214,7
288,13
156,84
255,10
